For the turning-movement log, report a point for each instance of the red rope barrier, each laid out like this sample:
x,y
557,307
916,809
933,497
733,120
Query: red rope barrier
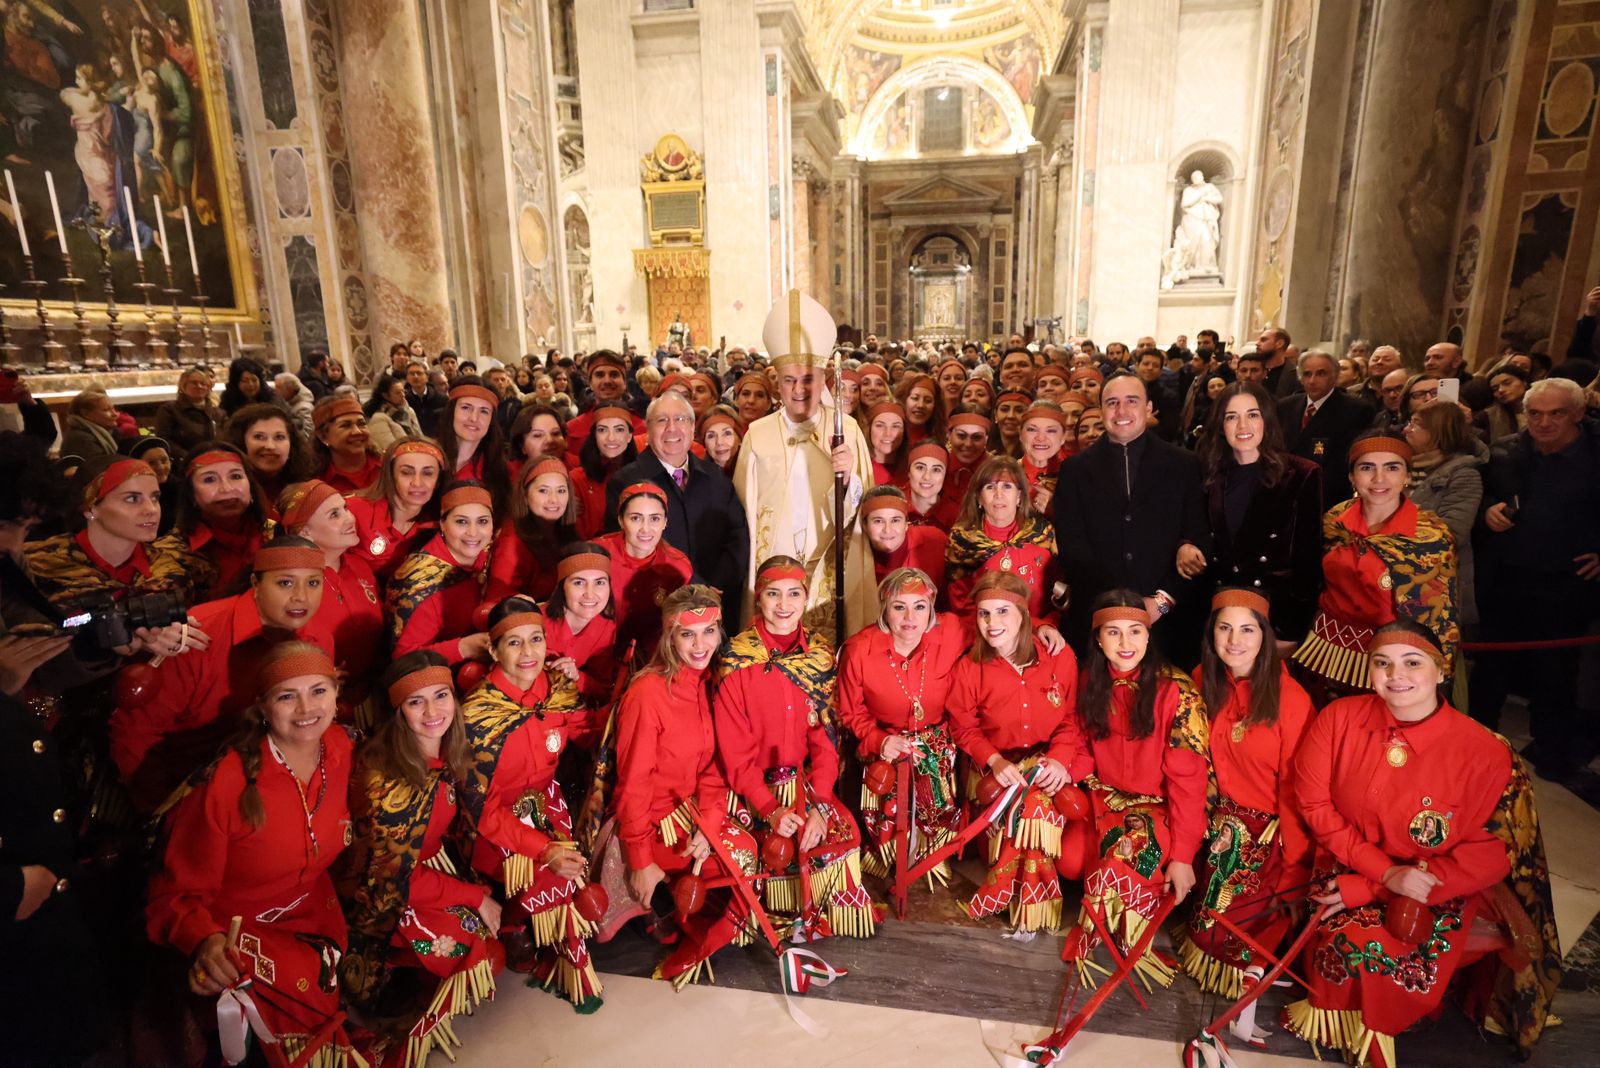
x,y
1522,647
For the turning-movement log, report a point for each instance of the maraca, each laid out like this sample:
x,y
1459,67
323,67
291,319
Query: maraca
x,y
135,683
480,617
777,852
689,892
989,790
592,902
879,777
1071,803
469,674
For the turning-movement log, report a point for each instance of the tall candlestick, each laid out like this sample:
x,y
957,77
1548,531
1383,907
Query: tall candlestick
x,y
16,210
55,210
133,224
161,231
188,230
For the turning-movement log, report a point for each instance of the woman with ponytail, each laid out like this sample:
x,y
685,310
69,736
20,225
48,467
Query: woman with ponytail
x,y
251,843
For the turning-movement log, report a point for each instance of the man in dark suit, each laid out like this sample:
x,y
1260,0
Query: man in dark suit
x,y
705,518
1320,422
1130,512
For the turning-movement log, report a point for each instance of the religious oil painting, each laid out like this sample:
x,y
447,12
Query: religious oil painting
x,y
117,107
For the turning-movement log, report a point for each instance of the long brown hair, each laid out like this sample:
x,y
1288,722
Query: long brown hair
x,y
299,466
383,488
496,474
1264,674
1094,683
936,428
1218,457
393,750
692,598
982,651
971,506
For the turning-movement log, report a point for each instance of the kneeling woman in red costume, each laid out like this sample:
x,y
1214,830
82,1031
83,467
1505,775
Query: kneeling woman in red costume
x,y
435,592
1257,856
1431,863
774,717
1147,730
1011,707
671,797
894,679
518,722
409,908
252,841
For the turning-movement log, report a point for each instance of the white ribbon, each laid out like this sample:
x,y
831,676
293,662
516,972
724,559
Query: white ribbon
x,y
237,1013
804,982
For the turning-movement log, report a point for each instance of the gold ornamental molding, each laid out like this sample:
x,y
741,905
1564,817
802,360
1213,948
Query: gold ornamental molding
x,y
672,262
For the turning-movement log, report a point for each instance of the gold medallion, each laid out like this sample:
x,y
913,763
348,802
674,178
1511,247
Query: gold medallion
x,y
1386,583
1396,755
1005,562
449,794
552,741
812,719
1055,695
377,545
916,708
372,594
1430,828
1238,733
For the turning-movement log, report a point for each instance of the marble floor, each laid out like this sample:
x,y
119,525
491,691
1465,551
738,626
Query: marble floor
x,y
935,991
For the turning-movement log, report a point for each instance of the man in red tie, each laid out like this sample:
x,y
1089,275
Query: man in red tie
x,y
1320,422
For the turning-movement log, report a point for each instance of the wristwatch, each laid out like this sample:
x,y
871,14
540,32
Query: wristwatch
x,y
1164,602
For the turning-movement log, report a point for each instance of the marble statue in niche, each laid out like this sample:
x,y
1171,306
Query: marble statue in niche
x,y
1198,237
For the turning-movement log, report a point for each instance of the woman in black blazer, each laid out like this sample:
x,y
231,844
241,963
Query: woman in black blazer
x,y
1265,508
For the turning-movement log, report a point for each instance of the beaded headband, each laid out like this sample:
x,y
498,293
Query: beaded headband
x,y
1050,370
1398,446
1234,597
885,408
886,502
459,495
294,660
720,418
612,411
672,381
1000,593
477,392
1014,395
547,466
303,500
930,450
336,408
421,679
597,358
427,448
872,369
1087,372
1402,637
1119,613
1040,411
972,419
513,621
582,562
287,558
212,457
640,488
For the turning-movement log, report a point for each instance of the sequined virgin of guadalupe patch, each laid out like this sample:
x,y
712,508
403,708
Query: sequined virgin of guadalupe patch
x,y
1430,828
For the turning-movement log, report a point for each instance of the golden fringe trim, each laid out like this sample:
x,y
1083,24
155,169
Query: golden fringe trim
x,y
568,980
784,792
1213,975
550,926
675,824
878,861
853,921
1348,666
1340,1029
518,872
329,1056
1038,916
870,802
368,715
441,862
1128,926
459,993
1039,834
688,975
747,932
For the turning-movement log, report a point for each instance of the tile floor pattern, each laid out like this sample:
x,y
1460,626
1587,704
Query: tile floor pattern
x,y
932,993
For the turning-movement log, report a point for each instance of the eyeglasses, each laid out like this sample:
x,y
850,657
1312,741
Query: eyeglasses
x,y
1424,394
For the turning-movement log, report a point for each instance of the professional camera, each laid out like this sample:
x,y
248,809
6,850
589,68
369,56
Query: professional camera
x,y
110,623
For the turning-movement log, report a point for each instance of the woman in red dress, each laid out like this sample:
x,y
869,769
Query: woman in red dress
x,y
470,438
608,447
433,598
409,908
775,732
951,379
543,519
896,543
998,531
643,565
886,434
344,445
894,679
671,796
1422,820
222,515
580,621
721,432
520,834
1257,854
252,843
875,388
352,605
399,512
1148,734
1011,712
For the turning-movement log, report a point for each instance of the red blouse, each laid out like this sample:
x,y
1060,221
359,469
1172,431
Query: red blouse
x,y
513,570
880,691
352,611
137,565
922,549
763,724
1033,564
635,584
1257,770
593,649
217,865
591,495
995,708
445,616
348,482
1355,591
1154,765
943,516
231,553
381,544
1368,814
428,887
666,754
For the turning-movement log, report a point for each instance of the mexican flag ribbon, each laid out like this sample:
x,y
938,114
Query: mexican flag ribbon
x,y
237,1019
800,970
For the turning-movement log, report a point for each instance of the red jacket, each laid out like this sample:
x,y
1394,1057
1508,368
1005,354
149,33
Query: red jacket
x,y
876,685
762,724
230,553
429,887
994,708
513,569
923,549
352,481
666,754
591,495
352,611
1368,815
593,649
444,617
198,697
578,431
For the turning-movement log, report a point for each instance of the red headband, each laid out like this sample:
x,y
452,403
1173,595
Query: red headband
x,y
931,450
636,490
719,418
1240,598
422,678
211,457
915,584
1040,411
1000,593
303,499
470,389
513,621
886,408
1050,370
1087,372
970,419
612,411
547,466
1398,446
455,498
410,445
883,502
777,573
333,409
950,362
752,376
1119,613
287,558
582,562
294,660
694,617
851,376
673,380
1402,637
872,369
116,473
1013,394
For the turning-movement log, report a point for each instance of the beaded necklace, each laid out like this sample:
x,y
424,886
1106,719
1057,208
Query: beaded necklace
x,y
306,807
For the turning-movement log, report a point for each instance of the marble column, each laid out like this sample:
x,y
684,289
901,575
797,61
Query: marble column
x,y
387,113
800,225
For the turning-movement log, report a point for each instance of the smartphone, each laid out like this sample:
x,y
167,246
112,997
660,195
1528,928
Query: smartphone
x,y
1450,390
10,393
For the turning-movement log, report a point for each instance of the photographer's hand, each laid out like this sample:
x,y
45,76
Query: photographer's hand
x,y
20,657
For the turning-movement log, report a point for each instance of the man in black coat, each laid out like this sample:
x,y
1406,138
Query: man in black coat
x,y
705,518
1320,423
1130,512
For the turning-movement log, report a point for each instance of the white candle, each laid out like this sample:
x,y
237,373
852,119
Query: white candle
x,y
133,224
238,335
161,232
188,230
16,210
55,210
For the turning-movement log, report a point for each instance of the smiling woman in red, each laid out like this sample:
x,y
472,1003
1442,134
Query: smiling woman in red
x,y
774,716
580,620
671,796
470,438
221,517
543,519
253,841
1424,825
344,445
603,453
398,513
998,531
643,566
1257,855
434,594
518,721
896,543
